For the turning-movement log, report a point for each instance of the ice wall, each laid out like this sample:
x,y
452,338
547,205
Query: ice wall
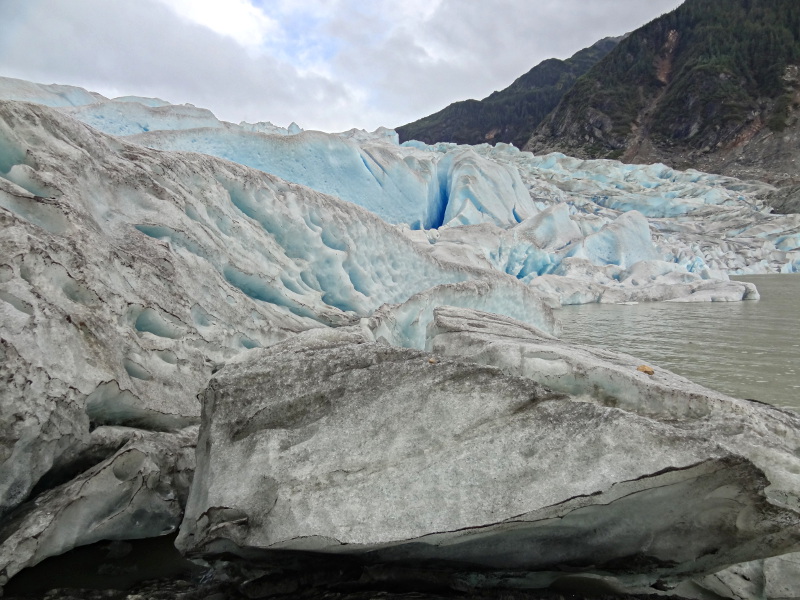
x,y
706,224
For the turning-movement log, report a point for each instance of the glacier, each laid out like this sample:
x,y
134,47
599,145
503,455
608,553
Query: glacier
x,y
709,225
144,246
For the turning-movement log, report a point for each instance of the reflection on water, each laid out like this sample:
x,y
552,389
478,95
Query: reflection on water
x,y
744,349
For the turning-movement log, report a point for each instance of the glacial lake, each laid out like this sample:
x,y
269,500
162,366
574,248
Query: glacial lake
x,y
743,349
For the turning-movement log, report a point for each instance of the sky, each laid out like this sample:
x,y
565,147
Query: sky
x,y
325,64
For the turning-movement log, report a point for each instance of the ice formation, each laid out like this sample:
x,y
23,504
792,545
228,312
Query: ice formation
x,y
504,458
148,270
710,226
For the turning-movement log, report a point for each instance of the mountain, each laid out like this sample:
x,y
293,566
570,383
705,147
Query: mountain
x,y
510,115
714,85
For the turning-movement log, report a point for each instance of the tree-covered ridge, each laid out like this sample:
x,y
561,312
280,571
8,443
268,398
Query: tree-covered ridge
x,y
510,115
705,76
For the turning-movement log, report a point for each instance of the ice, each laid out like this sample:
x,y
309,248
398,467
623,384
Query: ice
x,y
467,457
326,163
153,102
264,127
407,325
143,271
623,242
552,229
424,190
478,190
49,95
545,208
131,117
381,134
132,494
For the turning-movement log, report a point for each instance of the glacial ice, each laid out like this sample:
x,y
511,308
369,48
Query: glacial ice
x,y
132,117
502,458
148,270
707,224
137,473
534,212
48,95
485,207
424,191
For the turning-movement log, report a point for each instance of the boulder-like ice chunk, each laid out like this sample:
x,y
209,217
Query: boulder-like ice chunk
x,y
139,491
462,459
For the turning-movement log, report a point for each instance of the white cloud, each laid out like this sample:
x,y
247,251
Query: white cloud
x,y
117,47
327,64
237,19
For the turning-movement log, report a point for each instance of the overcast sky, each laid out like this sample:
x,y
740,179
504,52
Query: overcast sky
x,y
326,64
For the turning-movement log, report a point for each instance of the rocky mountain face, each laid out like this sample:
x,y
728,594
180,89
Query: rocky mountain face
x,y
713,85
327,363
510,115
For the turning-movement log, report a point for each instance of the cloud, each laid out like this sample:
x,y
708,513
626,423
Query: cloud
x,y
118,47
327,64
470,49
239,19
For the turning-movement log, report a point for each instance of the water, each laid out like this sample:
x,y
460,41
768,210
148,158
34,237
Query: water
x,y
105,565
743,349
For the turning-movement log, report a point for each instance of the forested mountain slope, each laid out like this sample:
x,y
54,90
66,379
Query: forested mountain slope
x,y
712,85
512,114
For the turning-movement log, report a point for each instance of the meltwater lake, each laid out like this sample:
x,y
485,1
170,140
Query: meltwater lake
x,y
743,349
